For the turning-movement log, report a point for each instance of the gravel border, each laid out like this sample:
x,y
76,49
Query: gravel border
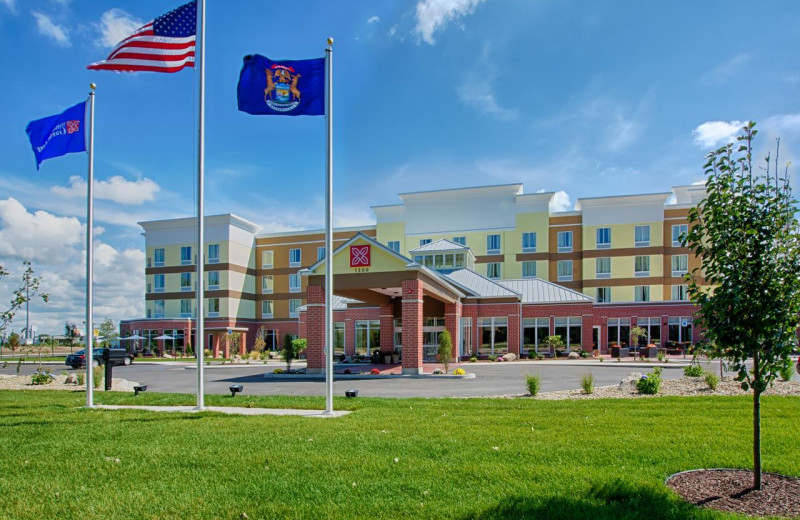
x,y
14,382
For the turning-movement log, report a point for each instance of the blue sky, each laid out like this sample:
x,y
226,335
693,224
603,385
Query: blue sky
x,y
588,98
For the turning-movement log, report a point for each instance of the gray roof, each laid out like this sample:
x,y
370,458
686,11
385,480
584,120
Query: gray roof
x,y
339,303
439,245
479,285
534,290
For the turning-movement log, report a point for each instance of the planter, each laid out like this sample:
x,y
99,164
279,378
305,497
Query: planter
x,y
395,358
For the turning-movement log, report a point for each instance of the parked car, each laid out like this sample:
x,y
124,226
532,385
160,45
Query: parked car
x,y
120,356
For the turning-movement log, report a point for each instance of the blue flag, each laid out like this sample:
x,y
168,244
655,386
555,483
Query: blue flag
x,y
286,88
58,135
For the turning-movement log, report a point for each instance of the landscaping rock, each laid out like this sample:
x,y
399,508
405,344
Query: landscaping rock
x,y
629,383
510,356
574,355
71,379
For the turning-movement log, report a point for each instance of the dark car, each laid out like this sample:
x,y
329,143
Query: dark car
x,y
120,356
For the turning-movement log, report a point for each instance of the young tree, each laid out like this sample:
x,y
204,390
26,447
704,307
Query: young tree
x,y
445,350
22,296
261,342
748,285
636,334
13,341
72,333
291,349
108,331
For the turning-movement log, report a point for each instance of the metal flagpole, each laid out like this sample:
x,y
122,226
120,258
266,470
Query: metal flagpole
x,y
329,236
200,57
89,257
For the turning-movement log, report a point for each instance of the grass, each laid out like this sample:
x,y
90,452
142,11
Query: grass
x,y
457,458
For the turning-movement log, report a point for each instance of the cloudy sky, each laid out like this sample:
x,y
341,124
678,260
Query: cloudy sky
x,y
586,98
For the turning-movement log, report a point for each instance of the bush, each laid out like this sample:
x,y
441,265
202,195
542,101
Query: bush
x,y
534,382
587,383
693,371
712,380
41,378
786,372
661,357
81,378
650,383
254,355
375,372
97,376
473,359
459,372
582,353
278,371
492,357
445,350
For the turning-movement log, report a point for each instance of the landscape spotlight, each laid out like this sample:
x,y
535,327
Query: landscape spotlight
x,y
139,388
235,389
351,393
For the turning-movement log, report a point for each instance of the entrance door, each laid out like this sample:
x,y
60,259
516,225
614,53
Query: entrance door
x,y
465,347
596,338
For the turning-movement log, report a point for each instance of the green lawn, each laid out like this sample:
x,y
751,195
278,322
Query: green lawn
x,y
457,458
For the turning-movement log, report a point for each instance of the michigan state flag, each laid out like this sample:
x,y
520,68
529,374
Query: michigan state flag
x,y
58,135
287,88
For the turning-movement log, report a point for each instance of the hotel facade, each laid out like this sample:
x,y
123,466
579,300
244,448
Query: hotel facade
x,y
492,265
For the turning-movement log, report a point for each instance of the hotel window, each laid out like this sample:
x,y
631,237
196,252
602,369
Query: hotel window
x,y
213,307
641,266
159,282
529,269
603,238
680,265
570,331
641,293
534,333
186,308
565,241
603,267
641,236
493,334
159,313
394,245
213,253
267,258
338,338
653,328
680,330
293,306
149,313
677,231
186,282
603,295
213,280
424,241
619,331
565,270
294,258
266,309
459,259
529,242
493,270
680,292
460,240
158,257
320,253
492,244
267,282
186,255
294,283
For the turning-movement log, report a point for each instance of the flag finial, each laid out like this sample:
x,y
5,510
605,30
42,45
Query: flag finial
x,y
330,41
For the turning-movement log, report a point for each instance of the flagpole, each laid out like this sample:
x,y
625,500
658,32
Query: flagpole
x,y
89,258
200,57
329,236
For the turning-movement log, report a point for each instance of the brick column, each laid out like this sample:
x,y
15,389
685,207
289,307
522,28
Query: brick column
x,y
452,322
315,328
349,337
226,347
587,330
216,345
243,344
514,332
387,328
412,326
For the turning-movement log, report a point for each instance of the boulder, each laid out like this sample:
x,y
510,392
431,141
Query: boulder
x,y
629,383
510,356
574,355
72,379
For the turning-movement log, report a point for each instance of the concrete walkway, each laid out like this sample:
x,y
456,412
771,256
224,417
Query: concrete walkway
x,y
231,410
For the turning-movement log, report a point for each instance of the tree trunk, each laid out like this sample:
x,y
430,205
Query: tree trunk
x,y
756,427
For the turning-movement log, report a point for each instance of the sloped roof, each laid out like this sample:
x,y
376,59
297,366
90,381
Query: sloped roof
x,y
339,303
479,285
439,245
534,290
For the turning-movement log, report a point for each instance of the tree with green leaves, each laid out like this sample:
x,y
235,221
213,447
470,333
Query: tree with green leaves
x,y
291,349
108,331
22,296
553,343
72,333
13,341
445,349
747,287
636,334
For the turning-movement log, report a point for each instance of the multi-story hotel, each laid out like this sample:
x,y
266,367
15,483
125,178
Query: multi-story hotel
x,y
493,265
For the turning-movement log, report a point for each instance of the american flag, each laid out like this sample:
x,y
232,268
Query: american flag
x,y
164,45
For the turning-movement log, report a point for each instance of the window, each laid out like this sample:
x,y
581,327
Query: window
x,y
603,267
680,292
149,313
677,231
641,236
680,265
460,240
680,331
267,282
565,270
603,295
186,308
266,309
641,293
294,258
641,266
159,312
534,333
529,242
159,282
213,307
493,270
424,241
492,244
529,269
267,258
394,245
368,337
186,281
213,253
320,253
459,259
294,283
653,328
338,338
158,257
565,241
213,280
619,331
493,334
186,255
603,238
293,306
570,331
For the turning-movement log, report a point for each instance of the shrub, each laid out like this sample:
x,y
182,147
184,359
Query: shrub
x,y
473,359
445,350
650,383
587,383
97,376
693,371
254,355
500,359
534,382
712,380
347,371
81,378
786,372
492,357
661,357
278,371
206,353
582,353
375,372
459,372
41,378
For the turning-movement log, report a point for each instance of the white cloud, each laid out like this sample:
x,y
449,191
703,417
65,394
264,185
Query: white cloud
x,y
715,133
373,19
392,31
116,189
11,4
433,15
477,89
52,30
39,236
560,202
116,25
726,70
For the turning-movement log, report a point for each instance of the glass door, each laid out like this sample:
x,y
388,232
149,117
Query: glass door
x,y
465,349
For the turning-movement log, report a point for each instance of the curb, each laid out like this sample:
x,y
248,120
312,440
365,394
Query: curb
x,y
362,377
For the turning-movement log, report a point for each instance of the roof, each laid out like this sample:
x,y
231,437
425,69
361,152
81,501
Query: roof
x,y
339,303
479,285
534,290
439,245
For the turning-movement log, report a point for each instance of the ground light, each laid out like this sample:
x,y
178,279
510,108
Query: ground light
x,y
351,393
139,388
235,389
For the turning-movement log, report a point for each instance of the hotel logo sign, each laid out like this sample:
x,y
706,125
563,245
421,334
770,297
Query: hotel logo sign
x,y
360,257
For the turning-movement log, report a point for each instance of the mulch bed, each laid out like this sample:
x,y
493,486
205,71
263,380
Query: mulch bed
x,y
731,490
